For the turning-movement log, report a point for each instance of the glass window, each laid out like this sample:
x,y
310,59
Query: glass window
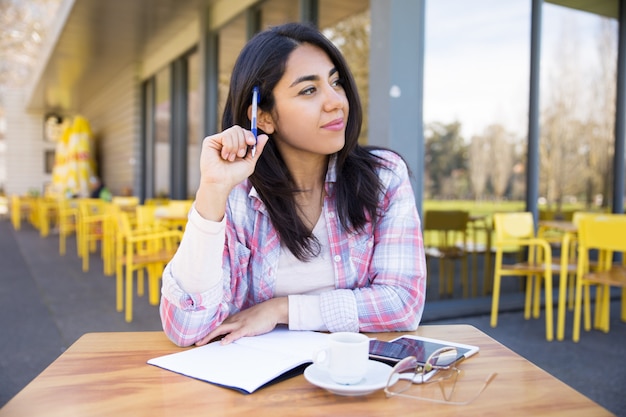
x,y
347,25
579,57
193,122
477,60
162,147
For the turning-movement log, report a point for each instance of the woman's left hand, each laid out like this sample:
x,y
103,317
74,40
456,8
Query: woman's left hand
x,y
258,319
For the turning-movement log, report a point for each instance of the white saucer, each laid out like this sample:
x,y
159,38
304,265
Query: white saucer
x,y
375,379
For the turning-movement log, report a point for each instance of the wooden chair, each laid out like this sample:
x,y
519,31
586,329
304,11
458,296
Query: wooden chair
x,y
139,250
606,235
445,238
518,230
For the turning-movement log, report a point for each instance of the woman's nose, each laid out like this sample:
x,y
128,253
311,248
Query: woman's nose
x,y
334,98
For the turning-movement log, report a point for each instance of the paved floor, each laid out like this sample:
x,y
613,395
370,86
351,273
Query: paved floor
x,y
47,303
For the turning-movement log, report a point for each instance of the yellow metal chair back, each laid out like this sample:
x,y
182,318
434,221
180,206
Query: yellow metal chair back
x,y
92,215
445,238
139,250
145,216
46,208
21,208
605,234
518,230
67,219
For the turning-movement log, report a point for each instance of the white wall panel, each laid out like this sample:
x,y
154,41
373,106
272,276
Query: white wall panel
x,y
114,114
25,146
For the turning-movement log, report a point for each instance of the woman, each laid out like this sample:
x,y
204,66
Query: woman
x,y
311,230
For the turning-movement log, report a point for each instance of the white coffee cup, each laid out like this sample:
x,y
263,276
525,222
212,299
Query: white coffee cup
x,y
345,358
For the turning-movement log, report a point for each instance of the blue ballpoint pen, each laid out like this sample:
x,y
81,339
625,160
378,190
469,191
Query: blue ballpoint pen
x,y
255,101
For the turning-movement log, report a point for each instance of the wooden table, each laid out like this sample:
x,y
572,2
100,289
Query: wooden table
x,y
105,374
568,232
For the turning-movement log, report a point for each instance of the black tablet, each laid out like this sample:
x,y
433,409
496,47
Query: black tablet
x,y
420,347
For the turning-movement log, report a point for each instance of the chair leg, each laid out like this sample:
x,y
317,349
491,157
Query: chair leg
x,y
587,306
464,278
129,292
549,307
606,309
442,278
598,312
119,287
495,296
530,279
140,281
577,311
537,297
624,304
450,278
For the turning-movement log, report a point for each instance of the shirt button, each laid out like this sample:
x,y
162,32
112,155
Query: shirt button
x,y
337,258
331,214
370,244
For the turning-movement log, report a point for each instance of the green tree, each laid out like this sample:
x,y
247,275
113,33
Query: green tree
x,y
445,161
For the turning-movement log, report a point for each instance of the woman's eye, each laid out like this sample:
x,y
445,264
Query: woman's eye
x,y
308,91
337,83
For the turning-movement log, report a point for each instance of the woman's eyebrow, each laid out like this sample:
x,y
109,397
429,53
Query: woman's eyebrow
x,y
312,77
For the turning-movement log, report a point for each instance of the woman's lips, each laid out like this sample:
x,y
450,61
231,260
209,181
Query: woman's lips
x,y
336,124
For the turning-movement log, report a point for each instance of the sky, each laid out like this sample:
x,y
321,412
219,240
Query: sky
x,y
477,62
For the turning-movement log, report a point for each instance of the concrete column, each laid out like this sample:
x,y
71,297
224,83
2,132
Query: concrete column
x,y
397,82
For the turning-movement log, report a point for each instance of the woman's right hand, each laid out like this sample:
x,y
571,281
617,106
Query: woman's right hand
x,y
225,161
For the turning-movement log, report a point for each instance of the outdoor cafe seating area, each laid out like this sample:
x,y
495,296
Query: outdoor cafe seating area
x,y
134,241
468,254
558,266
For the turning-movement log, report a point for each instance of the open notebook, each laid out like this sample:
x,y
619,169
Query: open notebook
x,y
250,362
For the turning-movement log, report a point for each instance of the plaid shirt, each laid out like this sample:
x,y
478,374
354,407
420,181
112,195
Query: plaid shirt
x,y
380,272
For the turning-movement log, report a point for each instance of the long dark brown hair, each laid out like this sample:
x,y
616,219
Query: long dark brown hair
x,y
262,63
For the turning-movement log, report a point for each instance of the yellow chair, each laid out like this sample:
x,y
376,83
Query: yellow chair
x,y
445,238
46,209
92,215
605,234
139,250
21,208
66,219
518,230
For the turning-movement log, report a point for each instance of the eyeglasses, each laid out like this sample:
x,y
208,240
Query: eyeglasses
x,y
438,369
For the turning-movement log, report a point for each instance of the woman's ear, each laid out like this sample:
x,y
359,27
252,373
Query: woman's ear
x,y
264,120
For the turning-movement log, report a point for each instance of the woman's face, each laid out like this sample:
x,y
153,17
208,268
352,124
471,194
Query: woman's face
x,y
311,107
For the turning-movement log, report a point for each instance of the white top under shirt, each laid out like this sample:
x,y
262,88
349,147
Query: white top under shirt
x,y
301,281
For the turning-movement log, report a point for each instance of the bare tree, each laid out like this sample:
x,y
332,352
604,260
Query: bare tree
x,y
562,141
501,158
601,124
477,164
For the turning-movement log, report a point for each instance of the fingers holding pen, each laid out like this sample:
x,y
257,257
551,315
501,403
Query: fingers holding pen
x,y
236,142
